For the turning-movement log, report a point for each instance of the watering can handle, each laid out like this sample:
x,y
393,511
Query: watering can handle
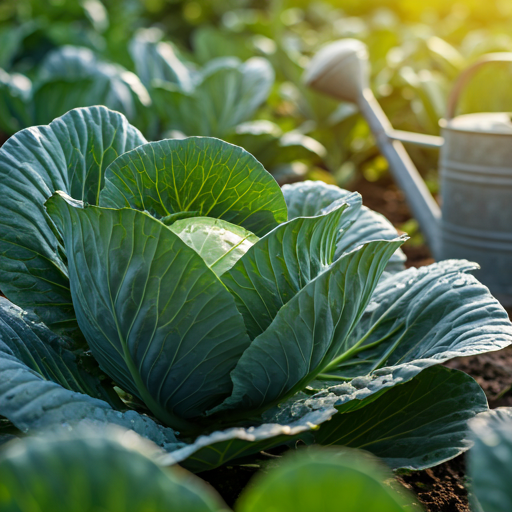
x,y
468,74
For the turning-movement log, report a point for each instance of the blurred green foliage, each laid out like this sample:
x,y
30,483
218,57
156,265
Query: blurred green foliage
x,y
417,50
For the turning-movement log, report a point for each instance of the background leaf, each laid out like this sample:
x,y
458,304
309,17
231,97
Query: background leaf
x,y
324,480
113,471
227,93
73,77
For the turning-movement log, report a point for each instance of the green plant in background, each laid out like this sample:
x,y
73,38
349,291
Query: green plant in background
x,y
416,55
219,304
118,470
490,461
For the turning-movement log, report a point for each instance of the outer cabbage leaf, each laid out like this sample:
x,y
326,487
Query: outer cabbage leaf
x,y
309,330
316,479
311,197
276,268
489,462
200,174
46,353
70,154
73,77
214,450
416,425
157,319
226,94
421,317
32,401
111,471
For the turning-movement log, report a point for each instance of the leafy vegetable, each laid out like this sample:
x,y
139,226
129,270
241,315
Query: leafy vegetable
x,y
323,480
490,461
239,316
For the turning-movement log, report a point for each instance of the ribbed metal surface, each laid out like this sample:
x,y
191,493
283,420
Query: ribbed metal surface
x,y
476,184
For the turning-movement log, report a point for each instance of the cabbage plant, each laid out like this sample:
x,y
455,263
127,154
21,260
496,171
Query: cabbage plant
x,y
173,288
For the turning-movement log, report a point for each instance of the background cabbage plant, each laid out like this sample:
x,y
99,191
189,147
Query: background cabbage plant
x,y
230,315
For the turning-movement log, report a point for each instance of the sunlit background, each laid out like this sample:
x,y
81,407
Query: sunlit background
x,y
417,50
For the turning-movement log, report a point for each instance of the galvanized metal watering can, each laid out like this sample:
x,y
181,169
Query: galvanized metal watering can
x,y
475,165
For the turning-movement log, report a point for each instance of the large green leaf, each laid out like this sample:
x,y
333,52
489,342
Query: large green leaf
x,y
312,197
214,450
415,425
490,461
157,60
227,93
114,471
70,154
220,243
31,402
73,77
283,262
309,330
421,317
45,353
200,174
157,319
326,480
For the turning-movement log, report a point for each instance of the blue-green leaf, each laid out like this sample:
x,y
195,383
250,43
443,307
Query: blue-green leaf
x,y
157,319
70,154
421,317
46,353
86,472
277,267
196,174
31,402
415,425
311,329
214,450
313,197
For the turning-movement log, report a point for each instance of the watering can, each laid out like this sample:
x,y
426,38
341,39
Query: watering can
x,y
475,165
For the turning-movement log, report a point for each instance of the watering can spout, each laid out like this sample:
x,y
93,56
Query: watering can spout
x,y
341,70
